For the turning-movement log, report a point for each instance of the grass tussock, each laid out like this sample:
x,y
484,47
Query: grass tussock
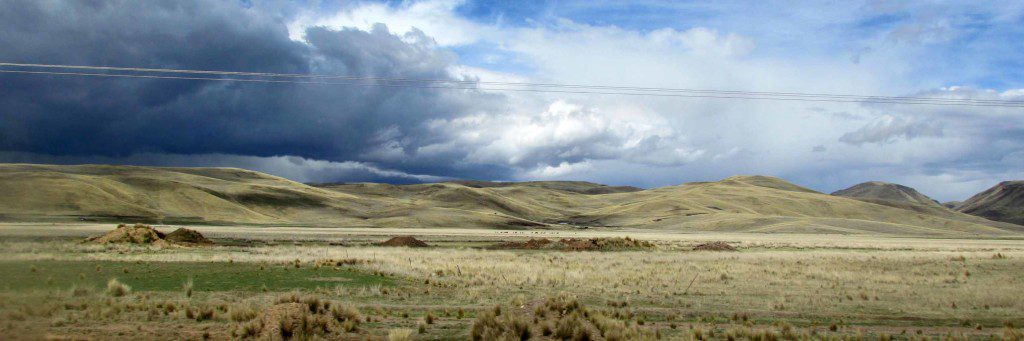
x,y
400,335
560,317
117,289
298,316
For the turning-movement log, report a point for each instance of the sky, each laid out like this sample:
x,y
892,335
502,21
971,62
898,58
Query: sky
x,y
346,133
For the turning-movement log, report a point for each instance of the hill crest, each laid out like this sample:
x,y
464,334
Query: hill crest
x,y
236,196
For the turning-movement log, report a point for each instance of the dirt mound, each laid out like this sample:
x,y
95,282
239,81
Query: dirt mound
x,y
408,241
186,236
714,246
574,244
135,234
532,244
147,235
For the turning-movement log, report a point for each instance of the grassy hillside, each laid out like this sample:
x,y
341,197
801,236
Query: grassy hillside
x,y
1002,202
225,195
882,192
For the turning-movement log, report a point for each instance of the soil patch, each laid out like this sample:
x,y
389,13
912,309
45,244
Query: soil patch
x,y
186,236
408,241
714,246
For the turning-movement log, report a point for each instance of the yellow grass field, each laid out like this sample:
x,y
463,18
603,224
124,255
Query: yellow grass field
x,y
783,286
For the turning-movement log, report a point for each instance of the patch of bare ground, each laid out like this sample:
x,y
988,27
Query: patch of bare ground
x,y
407,241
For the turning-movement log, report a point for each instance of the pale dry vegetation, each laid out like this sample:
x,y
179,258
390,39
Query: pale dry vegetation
x,y
769,289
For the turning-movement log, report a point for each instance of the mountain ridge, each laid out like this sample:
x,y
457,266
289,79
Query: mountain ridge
x,y
238,196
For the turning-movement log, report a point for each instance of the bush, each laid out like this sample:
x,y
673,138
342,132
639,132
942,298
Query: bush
x,y
117,289
400,335
187,288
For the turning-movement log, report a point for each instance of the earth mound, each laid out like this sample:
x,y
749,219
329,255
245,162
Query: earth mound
x,y
134,234
714,246
578,244
186,236
408,241
532,244
147,235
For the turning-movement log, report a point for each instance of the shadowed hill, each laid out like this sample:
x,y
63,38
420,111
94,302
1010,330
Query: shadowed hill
x,y
879,192
227,195
581,187
1003,202
952,204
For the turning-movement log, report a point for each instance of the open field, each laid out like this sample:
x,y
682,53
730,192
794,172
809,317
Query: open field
x,y
775,285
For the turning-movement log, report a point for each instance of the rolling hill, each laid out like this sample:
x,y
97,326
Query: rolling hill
x,y
236,196
1003,202
875,191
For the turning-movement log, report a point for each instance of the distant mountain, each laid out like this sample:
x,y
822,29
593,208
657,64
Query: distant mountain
x,y
952,204
235,196
1003,202
876,191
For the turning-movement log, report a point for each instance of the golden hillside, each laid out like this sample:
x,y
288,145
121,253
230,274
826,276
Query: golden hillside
x,y
228,195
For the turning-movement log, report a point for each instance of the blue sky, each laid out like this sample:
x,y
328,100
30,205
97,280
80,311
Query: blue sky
x,y
321,133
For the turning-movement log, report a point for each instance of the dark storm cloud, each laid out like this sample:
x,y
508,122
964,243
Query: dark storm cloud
x,y
71,116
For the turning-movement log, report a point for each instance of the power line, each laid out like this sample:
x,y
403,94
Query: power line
x,y
261,77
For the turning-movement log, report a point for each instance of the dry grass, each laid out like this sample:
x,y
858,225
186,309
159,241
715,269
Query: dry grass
x,y
117,289
772,289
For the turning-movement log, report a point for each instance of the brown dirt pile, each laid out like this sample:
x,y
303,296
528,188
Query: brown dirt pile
x,y
532,244
134,234
714,246
407,241
186,236
574,244
147,235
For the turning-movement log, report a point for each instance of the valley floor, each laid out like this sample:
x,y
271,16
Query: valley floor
x,y
775,285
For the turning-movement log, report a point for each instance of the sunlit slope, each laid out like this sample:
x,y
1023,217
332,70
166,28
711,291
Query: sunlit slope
x,y
224,195
765,204
167,194
882,192
227,195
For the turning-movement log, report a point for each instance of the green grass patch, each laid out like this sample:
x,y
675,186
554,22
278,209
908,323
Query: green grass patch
x,y
169,276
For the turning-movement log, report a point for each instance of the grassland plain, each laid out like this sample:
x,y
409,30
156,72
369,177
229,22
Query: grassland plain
x,y
775,286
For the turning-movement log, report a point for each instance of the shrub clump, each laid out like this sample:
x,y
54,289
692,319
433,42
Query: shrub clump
x,y
117,289
296,316
560,317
